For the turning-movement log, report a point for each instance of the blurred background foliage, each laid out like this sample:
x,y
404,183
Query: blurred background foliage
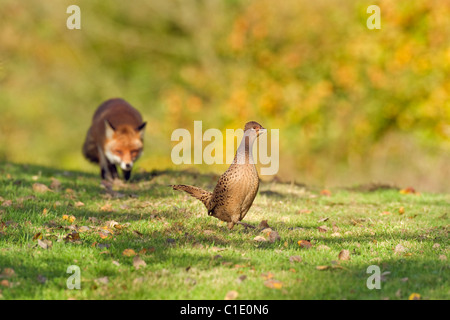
x,y
353,105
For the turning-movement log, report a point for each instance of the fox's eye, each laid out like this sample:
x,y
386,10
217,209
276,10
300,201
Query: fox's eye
x,y
119,152
134,153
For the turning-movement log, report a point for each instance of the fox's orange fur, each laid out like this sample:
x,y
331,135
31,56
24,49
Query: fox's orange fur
x,y
115,138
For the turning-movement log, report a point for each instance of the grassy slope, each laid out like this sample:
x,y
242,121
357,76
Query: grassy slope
x,y
193,256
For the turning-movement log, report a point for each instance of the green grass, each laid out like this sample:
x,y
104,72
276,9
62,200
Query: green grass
x,y
192,256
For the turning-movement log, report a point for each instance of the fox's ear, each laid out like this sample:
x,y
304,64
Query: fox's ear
x,y
141,128
109,130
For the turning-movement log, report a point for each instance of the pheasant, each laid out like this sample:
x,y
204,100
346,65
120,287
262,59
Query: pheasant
x,y
237,187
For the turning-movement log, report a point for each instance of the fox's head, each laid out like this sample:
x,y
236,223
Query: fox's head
x,y
124,144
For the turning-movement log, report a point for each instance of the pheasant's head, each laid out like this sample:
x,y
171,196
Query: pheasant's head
x,y
256,127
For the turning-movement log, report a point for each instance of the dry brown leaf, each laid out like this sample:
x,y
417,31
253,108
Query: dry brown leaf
x,y
37,236
295,259
401,210
78,204
323,247
56,184
107,208
273,284
259,239
344,255
7,203
304,244
399,249
274,236
5,283
267,275
44,244
138,262
231,295
7,273
41,188
321,268
72,237
263,224
322,228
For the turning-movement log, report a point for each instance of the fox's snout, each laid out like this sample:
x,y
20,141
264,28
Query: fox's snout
x,y
126,165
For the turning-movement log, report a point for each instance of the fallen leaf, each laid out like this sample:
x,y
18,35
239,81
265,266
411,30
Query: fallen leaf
x,y
304,211
409,190
267,275
83,229
56,184
107,207
344,255
295,259
78,204
138,262
401,210
41,188
263,224
259,239
273,284
321,268
71,219
44,244
399,249
129,253
72,237
37,236
323,219
323,247
102,280
442,257
304,244
325,192
414,296
274,236
7,203
231,295
7,273
241,278
5,283
322,228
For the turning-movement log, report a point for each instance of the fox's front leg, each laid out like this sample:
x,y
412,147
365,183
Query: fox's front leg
x,y
126,174
108,170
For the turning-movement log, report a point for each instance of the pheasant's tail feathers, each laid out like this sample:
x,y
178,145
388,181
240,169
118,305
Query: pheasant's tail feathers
x,y
198,193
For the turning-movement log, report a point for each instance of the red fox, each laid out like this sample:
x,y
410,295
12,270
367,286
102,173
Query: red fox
x,y
115,138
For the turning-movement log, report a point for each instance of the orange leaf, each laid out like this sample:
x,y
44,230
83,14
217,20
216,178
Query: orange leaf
x,y
129,253
273,284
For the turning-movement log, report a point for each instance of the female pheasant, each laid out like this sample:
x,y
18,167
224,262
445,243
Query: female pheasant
x,y
237,187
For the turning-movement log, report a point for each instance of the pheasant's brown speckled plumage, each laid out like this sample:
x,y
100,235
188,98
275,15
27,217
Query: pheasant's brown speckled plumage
x,y
237,187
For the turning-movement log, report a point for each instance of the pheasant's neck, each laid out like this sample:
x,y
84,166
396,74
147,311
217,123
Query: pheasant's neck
x,y
244,153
